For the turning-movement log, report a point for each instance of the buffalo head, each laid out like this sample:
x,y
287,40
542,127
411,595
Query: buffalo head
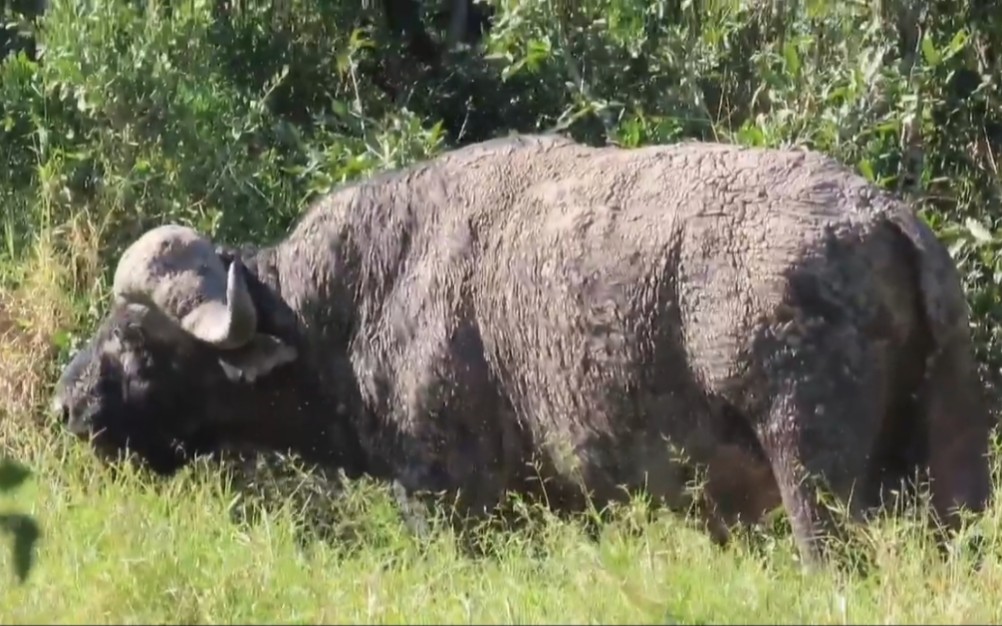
x,y
176,359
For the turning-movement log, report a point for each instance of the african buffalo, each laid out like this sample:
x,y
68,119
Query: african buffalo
x,y
530,313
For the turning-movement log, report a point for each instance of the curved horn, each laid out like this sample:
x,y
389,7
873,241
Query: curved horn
x,y
177,271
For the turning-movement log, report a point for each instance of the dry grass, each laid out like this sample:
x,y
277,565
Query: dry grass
x,y
36,315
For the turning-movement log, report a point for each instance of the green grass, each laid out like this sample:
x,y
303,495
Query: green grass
x,y
127,549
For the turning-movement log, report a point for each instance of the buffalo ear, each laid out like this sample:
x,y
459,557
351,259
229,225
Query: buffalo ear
x,y
256,359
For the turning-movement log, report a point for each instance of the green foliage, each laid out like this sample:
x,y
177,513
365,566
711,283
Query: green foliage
x,y
232,119
139,117
23,529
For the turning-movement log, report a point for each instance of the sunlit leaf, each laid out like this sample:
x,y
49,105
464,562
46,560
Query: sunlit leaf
x,y
978,231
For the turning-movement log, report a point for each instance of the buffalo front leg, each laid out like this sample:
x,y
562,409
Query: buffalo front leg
x,y
822,419
459,435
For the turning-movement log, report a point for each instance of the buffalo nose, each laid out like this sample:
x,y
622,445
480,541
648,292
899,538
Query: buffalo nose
x,y
59,409
76,424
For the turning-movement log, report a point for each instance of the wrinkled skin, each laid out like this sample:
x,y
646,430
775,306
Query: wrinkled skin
x,y
534,315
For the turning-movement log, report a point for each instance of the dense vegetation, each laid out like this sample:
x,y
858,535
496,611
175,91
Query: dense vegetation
x,y
231,116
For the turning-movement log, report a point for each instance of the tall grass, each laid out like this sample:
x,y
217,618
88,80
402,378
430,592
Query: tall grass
x,y
125,550
131,114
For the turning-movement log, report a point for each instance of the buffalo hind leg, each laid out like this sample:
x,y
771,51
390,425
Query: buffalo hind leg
x,y
959,431
821,422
